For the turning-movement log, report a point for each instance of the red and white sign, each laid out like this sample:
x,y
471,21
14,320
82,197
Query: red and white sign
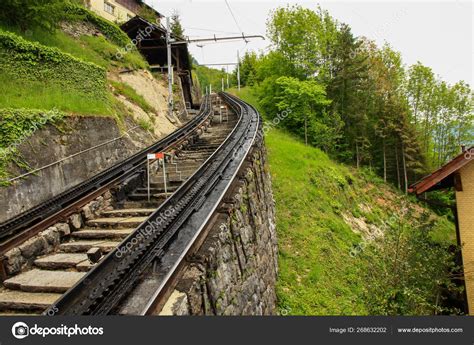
x,y
159,155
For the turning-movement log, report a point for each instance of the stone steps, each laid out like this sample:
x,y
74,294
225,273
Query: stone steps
x,y
155,190
61,261
102,233
139,203
13,300
37,280
83,246
129,212
144,196
34,290
159,184
116,222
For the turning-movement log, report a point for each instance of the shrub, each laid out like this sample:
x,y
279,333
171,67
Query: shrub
x,y
23,60
27,14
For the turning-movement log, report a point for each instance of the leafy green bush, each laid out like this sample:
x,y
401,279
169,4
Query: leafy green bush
x,y
27,14
28,61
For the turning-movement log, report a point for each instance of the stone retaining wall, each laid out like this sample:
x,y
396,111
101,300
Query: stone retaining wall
x,y
234,272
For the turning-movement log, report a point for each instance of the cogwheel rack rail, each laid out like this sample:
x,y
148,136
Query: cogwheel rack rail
x,y
38,218
190,207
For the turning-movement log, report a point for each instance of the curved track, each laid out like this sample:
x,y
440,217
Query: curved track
x,y
166,236
102,289
117,173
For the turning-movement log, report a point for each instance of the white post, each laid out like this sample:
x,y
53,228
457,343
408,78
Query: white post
x,y
164,177
148,177
238,70
227,76
222,84
170,68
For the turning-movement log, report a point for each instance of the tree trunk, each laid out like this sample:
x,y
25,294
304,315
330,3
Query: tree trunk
x,y
384,163
405,177
357,154
398,168
306,129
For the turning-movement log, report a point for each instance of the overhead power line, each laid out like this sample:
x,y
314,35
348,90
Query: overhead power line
x,y
233,16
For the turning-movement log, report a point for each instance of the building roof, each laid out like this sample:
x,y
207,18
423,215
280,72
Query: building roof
x,y
151,39
444,177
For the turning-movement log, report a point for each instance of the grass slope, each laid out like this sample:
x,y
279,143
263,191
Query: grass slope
x,y
319,275
47,94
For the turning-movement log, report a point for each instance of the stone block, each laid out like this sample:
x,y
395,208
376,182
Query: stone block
x,y
14,261
52,236
75,221
63,229
33,247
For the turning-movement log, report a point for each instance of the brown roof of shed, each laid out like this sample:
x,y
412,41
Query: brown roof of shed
x,y
443,177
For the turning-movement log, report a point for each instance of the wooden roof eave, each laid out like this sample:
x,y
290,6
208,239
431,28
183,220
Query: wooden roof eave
x,y
431,181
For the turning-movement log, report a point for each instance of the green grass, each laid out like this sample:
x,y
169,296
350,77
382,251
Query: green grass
x,y
47,96
18,93
127,91
95,49
317,274
145,125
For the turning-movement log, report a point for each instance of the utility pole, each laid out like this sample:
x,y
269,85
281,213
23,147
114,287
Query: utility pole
x,y
238,70
222,84
227,70
170,68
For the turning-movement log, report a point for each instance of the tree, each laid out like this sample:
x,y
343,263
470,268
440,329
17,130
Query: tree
x,y
248,69
306,103
463,115
176,27
348,71
27,14
400,122
292,31
419,87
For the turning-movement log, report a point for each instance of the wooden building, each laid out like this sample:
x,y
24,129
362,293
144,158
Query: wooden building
x,y
150,39
458,174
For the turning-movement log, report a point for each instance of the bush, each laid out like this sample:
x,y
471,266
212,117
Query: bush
x,y
27,14
23,60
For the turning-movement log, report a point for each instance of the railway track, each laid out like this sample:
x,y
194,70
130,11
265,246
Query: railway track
x,y
137,232
47,213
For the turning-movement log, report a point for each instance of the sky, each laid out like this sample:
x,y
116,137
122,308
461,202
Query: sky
x,y
438,34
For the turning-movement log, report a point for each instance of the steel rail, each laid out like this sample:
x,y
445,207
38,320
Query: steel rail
x,y
103,287
166,285
119,172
